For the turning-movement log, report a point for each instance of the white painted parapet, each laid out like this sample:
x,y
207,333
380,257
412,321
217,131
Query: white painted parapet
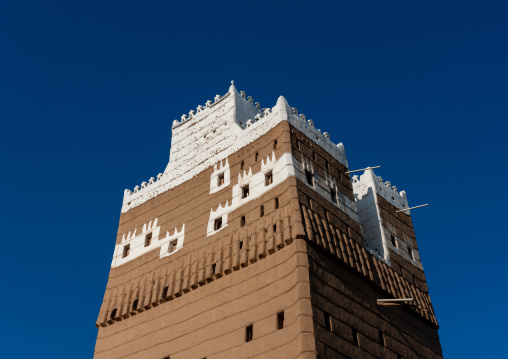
x,y
215,131
377,235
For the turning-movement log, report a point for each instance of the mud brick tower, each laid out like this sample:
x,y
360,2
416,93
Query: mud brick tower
x,y
256,243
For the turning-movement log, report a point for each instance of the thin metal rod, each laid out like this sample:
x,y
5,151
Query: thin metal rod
x,y
407,209
396,300
363,169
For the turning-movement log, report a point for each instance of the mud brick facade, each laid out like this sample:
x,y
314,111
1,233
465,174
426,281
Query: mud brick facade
x,y
255,242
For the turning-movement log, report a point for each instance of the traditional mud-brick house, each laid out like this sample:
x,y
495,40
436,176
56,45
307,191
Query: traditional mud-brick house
x,y
255,242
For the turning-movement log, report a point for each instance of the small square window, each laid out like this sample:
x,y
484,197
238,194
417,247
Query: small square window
x,y
262,211
220,180
394,241
218,224
310,178
280,320
242,221
172,246
268,178
148,239
276,203
126,250
249,333
245,191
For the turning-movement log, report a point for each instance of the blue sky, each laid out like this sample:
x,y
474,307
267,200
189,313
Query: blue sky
x,y
89,90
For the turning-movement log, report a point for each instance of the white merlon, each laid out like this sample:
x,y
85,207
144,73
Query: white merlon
x,y
212,133
135,245
379,236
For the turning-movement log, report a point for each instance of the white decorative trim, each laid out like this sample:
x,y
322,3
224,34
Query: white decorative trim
x,y
137,243
214,177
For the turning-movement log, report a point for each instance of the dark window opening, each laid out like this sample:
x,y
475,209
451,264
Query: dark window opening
x,y
242,221
262,211
135,304
245,191
249,333
113,314
172,246
328,166
410,252
274,228
275,144
165,292
333,194
280,320
310,177
314,156
276,203
394,241
241,244
256,157
167,357
212,271
381,338
242,165
268,178
298,144
355,337
126,250
220,179
218,224
399,356
328,322
148,239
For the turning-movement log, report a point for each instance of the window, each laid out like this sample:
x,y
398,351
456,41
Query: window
x,y
310,178
135,304
399,356
240,244
276,203
274,228
113,314
328,167
410,252
314,156
261,211
220,179
268,178
275,144
165,292
218,224
245,191
394,241
381,338
280,320
172,246
298,144
126,250
333,194
256,157
167,357
328,322
242,165
242,221
212,271
249,333
148,239
355,337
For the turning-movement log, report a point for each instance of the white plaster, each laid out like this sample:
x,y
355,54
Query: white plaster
x,y
216,131
137,243
214,177
377,236
281,169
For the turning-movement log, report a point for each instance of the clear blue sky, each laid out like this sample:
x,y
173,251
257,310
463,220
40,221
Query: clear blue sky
x,y
89,90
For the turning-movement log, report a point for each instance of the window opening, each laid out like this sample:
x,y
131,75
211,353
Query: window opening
x,y
355,337
328,166
249,333
298,144
274,228
328,322
262,211
275,144
394,241
280,320
212,271
218,223
148,239
241,244
310,177
314,156
245,191
410,252
172,246
135,304
276,203
242,221
220,179
268,178
256,157
113,314
242,165
126,250
333,194
165,292
381,338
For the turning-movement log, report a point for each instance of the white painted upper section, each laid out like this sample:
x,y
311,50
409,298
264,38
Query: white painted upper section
x,y
215,131
137,243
